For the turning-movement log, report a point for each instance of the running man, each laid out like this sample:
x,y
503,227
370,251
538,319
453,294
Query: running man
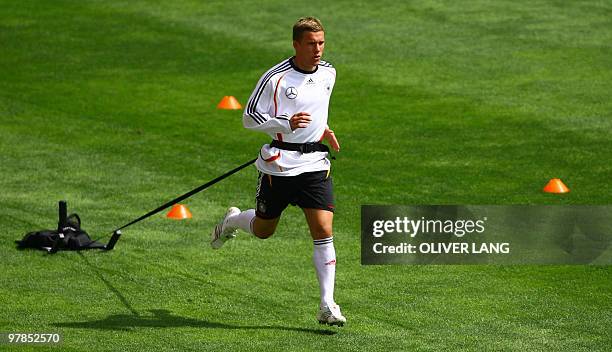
x,y
290,103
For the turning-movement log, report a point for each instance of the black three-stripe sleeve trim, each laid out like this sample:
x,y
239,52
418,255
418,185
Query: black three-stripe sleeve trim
x,y
257,117
253,102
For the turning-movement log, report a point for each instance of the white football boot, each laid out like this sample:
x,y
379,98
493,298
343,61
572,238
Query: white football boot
x,y
222,233
331,315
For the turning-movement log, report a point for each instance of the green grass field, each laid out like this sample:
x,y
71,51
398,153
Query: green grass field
x,y
111,106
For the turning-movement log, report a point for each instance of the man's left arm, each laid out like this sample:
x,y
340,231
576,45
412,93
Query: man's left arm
x,y
330,137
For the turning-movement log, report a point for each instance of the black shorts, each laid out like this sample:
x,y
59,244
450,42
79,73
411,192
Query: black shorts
x,y
308,190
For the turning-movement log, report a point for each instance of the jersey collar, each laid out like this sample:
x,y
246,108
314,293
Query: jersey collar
x,y
294,66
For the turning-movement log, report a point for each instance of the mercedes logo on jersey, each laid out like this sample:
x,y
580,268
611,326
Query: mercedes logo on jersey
x,y
291,93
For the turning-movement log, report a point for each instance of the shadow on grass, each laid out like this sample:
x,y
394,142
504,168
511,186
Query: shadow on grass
x,y
163,318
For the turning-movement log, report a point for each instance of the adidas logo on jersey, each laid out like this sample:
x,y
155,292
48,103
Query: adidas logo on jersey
x,y
310,81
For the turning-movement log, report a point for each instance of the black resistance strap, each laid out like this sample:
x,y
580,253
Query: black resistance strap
x,y
187,195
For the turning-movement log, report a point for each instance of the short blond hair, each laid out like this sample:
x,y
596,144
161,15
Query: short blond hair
x,y
306,24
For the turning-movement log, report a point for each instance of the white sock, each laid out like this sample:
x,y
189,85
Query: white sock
x,y
243,220
324,259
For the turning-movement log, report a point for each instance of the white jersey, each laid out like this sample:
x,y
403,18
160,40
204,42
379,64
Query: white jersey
x,y
281,92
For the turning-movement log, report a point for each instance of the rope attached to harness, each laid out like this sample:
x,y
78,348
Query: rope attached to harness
x,y
187,195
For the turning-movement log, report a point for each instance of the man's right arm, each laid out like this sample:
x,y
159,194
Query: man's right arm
x,y
257,112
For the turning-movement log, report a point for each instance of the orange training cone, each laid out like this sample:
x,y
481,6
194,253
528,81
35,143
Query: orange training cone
x,y
229,103
179,212
555,185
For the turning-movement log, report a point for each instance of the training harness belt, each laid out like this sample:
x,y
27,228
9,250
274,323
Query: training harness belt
x,y
300,147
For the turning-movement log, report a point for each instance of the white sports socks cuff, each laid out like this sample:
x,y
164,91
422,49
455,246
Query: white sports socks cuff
x,y
324,260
